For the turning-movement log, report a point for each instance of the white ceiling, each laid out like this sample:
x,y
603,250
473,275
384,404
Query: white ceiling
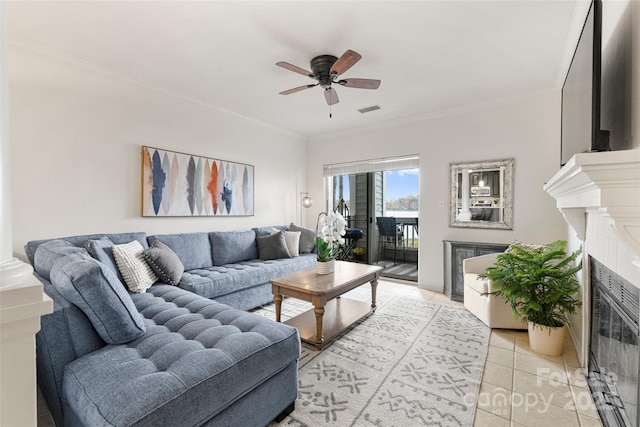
x,y
430,55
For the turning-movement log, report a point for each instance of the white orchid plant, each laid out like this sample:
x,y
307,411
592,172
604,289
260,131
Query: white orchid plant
x,y
330,229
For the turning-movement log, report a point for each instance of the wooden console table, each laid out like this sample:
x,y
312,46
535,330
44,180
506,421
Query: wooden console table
x,y
454,254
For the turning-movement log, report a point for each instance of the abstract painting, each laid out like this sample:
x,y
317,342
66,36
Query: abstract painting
x,y
178,184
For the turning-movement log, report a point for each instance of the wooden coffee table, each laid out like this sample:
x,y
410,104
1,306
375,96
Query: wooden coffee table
x,y
331,314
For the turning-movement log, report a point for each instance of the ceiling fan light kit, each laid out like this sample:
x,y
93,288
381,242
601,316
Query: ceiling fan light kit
x,y
325,69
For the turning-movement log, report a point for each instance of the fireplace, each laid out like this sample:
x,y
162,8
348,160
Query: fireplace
x,y
614,352
597,194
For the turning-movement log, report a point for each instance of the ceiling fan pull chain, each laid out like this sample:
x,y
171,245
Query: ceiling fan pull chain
x,y
330,108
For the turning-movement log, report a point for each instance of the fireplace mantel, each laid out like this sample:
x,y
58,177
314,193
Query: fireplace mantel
x,y
606,183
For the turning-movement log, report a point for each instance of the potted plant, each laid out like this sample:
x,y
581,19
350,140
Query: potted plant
x,y
330,229
540,284
359,253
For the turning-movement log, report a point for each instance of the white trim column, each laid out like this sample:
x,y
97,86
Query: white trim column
x,y
22,301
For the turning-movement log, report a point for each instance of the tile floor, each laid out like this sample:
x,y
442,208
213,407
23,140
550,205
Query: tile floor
x,y
519,387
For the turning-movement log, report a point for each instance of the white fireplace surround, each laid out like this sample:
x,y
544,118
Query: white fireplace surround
x,y
605,185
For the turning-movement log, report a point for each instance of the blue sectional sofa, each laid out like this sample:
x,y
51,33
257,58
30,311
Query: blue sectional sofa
x,y
184,355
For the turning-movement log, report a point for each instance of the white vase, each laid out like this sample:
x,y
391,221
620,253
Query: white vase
x,y
325,267
546,340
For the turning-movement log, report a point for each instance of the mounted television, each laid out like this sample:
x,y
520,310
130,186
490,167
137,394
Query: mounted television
x,y
581,92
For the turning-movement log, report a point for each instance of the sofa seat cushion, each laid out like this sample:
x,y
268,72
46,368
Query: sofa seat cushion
x,y
219,281
474,282
194,350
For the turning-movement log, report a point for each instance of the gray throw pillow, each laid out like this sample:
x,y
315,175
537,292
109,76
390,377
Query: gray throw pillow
x,y
265,231
273,246
307,238
164,262
95,289
292,239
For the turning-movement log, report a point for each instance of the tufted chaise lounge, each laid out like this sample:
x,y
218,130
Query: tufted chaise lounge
x,y
199,362
193,361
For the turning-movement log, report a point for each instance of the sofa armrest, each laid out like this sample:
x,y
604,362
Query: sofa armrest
x,y
478,264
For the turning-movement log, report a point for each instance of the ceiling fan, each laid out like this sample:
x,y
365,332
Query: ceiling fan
x,y
325,69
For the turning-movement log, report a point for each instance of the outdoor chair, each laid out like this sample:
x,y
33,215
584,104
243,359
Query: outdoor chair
x,y
389,232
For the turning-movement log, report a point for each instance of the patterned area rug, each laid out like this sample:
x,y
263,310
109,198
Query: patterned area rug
x,y
412,362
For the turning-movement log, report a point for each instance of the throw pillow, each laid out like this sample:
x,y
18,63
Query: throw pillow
x,y
273,246
135,271
525,245
102,250
164,262
95,289
265,231
292,240
307,238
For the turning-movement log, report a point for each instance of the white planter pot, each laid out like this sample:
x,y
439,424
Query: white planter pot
x,y
325,267
546,340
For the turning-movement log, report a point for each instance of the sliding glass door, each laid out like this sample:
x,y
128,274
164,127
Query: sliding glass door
x,y
370,199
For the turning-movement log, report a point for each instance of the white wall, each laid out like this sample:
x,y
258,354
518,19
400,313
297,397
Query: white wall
x,y
526,129
76,134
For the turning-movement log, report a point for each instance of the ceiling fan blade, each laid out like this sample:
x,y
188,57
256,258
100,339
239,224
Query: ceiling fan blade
x,y
361,83
295,69
346,61
331,96
296,89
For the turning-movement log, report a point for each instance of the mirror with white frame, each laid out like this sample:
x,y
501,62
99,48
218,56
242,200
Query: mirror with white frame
x,y
482,194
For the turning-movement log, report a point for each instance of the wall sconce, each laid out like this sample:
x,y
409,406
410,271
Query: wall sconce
x,y
307,201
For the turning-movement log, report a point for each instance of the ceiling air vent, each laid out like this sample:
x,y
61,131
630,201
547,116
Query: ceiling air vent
x,y
368,109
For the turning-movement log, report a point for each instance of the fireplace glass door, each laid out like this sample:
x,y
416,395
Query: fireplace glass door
x,y
613,367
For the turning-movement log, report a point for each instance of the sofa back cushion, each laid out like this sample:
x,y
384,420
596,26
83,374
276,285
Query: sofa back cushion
x,y
48,253
117,238
102,250
229,247
193,249
95,289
